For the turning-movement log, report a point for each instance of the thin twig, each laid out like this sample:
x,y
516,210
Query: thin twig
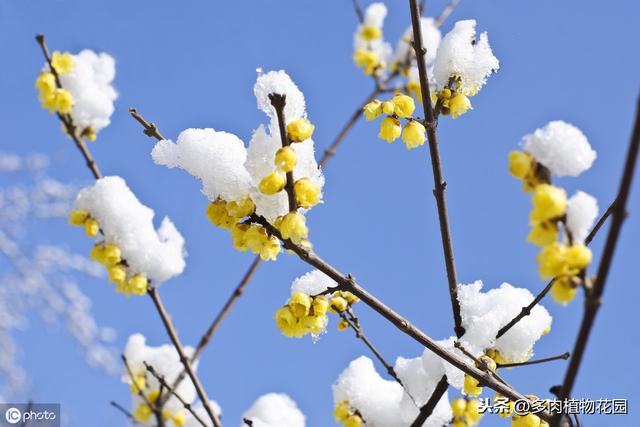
x,y
593,298
600,222
150,129
134,382
125,412
348,283
66,119
563,356
436,165
446,12
279,101
161,379
358,10
173,335
427,409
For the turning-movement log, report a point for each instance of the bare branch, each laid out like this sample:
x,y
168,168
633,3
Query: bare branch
x,y
279,101
563,356
446,12
125,412
358,10
593,298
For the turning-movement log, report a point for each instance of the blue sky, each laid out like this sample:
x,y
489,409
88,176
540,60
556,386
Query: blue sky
x,y
192,64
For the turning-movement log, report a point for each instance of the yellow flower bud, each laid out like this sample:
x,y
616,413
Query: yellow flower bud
x,y
343,325
563,291
370,32
366,59
97,254
46,82
403,105
338,304
240,208
413,134
458,406
578,257
389,129
471,386
273,183
117,274
388,107
294,227
529,420
138,284
63,101
300,130
91,227
543,234
178,418
445,93
143,413
503,405
350,297
138,383
372,110
306,192
458,105
353,421
341,411
111,254
459,423
549,202
488,362
153,395
218,215
89,133
62,62
551,260
286,159
78,217
520,164
320,305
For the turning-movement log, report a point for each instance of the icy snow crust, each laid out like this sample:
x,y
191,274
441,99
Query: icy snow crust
x,y
275,410
159,254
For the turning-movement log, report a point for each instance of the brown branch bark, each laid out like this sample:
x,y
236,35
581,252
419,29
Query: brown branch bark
x,y
427,409
358,10
186,362
436,165
279,101
593,298
348,283
446,12
563,356
172,391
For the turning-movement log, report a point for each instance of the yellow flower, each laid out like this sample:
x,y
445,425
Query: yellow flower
x,y
286,159
138,284
111,254
48,101
62,62
314,324
91,227
63,101
503,406
178,418
294,227
370,32
307,193
138,383
458,105
471,386
459,423
240,208
341,411
414,88
389,129
218,215
117,274
458,406
563,291
343,325
350,297
238,235
549,202
270,248
320,305
97,254
472,412
143,413
89,133
46,82
153,395
300,130
300,304
520,164
496,356
353,421
372,110
543,234
287,323
366,59
338,304
578,257
551,260
273,183
388,107
413,134
78,217
403,105
528,420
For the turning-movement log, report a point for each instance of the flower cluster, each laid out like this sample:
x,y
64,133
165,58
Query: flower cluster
x,y
52,97
556,150
131,250
276,178
79,87
399,107
465,412
346,415
472,386
370,50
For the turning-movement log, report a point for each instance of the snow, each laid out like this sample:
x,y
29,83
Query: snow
x,y
159,254
561,147
461,55
582,211
90,84
431,37
275,410
312,283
